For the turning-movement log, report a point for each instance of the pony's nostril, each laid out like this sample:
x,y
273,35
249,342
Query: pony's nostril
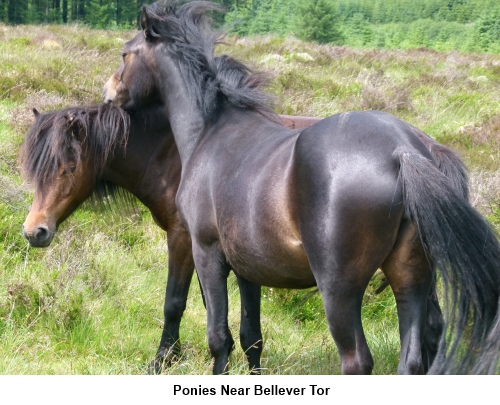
x,y
39,236
41,233
109,101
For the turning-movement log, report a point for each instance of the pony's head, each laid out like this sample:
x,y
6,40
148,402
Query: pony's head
x,y
134,84
63,155
178,41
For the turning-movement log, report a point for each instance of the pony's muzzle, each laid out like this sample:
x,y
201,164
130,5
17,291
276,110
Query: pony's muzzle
x,y
39,237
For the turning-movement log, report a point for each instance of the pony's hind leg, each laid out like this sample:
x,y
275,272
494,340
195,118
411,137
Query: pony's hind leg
x,y
342,302
434,328
344,252
410,276
342,269
434,325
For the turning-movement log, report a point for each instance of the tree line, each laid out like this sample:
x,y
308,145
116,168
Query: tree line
x,y
96,13
467,25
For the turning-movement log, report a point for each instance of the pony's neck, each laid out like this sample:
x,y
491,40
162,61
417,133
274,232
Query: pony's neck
x,y
125,173
183,111
136,168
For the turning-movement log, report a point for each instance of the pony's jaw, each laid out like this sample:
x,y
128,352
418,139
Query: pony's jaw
x,y
122,98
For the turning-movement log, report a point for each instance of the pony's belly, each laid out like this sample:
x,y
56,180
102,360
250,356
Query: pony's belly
x,y
280,265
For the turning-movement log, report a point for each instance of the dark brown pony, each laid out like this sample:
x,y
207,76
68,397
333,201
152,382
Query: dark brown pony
x,y
324,206
74,153
448,163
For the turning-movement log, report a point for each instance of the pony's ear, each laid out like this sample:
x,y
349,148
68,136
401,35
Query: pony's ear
x,y
77,124
73,125
35,111
70,117
147,24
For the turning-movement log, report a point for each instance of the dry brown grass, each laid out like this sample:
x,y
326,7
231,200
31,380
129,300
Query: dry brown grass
x,y
487,134
485,191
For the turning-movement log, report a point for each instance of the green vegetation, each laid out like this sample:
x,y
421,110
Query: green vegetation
x,y
91,303
443,25
318,22
96,13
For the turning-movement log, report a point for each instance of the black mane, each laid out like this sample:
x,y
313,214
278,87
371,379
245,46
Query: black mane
x,y
56,138
210,79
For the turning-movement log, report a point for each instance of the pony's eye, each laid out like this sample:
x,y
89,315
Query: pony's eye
x,y
71,170
123,54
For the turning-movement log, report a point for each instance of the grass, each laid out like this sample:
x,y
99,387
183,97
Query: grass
x,y
92,302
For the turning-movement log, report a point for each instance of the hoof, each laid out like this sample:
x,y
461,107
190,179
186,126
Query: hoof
x,y
156,366
163,360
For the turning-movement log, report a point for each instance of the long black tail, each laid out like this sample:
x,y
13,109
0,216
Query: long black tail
x,y
464,248
450,164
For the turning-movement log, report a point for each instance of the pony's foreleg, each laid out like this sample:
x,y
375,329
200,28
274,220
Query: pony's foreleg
x,y
410,276
213,270
180,273
250,332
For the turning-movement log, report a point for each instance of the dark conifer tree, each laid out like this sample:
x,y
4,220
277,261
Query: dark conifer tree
x,y
17,12
64,11
317,20
128,14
